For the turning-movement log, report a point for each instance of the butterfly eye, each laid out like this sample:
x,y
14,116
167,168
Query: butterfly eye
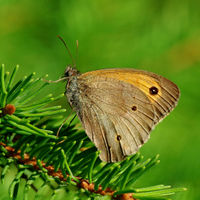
x,y
153,90
134,108
119,137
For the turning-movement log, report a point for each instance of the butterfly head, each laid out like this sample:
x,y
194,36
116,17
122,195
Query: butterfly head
x,y
70,71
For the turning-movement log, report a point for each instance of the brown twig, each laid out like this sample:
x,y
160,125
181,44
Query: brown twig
x,y
83,183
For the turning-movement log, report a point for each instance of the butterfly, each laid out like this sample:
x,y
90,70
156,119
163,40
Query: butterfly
x,y
118,108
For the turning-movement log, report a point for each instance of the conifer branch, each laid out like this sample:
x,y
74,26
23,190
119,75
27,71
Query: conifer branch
x,y
28,139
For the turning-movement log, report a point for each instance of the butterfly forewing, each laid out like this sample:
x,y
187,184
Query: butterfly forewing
x,y
164,99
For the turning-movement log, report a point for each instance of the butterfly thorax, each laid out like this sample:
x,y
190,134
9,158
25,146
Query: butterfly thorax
x,y
72,87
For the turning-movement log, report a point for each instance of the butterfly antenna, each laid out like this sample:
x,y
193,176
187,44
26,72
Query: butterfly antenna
x,y
76,52
67,49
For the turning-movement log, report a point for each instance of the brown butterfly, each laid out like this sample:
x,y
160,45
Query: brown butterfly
x,y
118,108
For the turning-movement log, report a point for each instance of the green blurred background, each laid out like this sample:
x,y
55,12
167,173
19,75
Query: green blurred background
x,y
154,35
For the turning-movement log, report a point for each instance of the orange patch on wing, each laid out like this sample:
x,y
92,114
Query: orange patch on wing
x,y
143,81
